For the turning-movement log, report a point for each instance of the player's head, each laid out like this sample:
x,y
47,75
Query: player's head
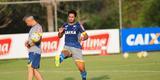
x,y
29,20
72,14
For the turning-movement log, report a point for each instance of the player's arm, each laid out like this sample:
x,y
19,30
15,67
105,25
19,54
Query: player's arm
x,y
83,32
27,44
61,32
39,32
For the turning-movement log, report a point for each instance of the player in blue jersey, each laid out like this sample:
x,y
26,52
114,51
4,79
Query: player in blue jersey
x,y
72,48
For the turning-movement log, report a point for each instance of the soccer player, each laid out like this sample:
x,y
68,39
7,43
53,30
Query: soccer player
x,y
34,48
72,47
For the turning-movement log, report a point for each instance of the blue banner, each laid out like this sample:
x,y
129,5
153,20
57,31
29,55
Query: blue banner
x,y
140,39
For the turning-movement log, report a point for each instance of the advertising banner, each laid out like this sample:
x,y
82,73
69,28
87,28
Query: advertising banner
x,y
12,46
140,39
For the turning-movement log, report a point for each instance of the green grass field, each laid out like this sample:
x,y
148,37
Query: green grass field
x,y
113,67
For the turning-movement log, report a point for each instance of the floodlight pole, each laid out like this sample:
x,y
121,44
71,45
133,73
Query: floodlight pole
x,y
50,18
55,15
120,24
120,14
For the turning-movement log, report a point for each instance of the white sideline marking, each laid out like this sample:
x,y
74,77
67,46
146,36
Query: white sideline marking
x,y
110,71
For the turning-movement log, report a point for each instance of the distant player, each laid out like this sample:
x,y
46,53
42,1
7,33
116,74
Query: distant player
x,y
72,47
34,48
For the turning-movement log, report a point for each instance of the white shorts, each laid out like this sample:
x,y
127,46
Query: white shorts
x,y
75,52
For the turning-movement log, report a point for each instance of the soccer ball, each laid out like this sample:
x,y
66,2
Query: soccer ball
x,y
125,55
35,37
145,54
142,54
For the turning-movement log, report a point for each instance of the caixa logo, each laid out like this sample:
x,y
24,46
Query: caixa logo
x,y
143,39
5,46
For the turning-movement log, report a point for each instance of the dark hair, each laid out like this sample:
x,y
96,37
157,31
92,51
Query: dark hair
x,y
72,12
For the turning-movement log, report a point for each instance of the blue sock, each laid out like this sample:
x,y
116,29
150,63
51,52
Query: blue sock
x,y
61,57
84,75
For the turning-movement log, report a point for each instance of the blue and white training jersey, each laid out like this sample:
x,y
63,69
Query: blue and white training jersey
x,y
72,33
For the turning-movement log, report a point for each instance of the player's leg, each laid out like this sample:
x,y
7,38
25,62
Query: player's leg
x,y
63,55
81,66
77,56
37,75
36,65
30,69
30,73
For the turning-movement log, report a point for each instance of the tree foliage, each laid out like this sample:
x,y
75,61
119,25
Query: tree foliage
x,y
141,13
95,14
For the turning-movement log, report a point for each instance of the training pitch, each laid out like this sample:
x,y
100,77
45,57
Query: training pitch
x,y
112,67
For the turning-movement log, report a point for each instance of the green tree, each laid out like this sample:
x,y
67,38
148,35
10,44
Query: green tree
x,y
150,15
11,17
